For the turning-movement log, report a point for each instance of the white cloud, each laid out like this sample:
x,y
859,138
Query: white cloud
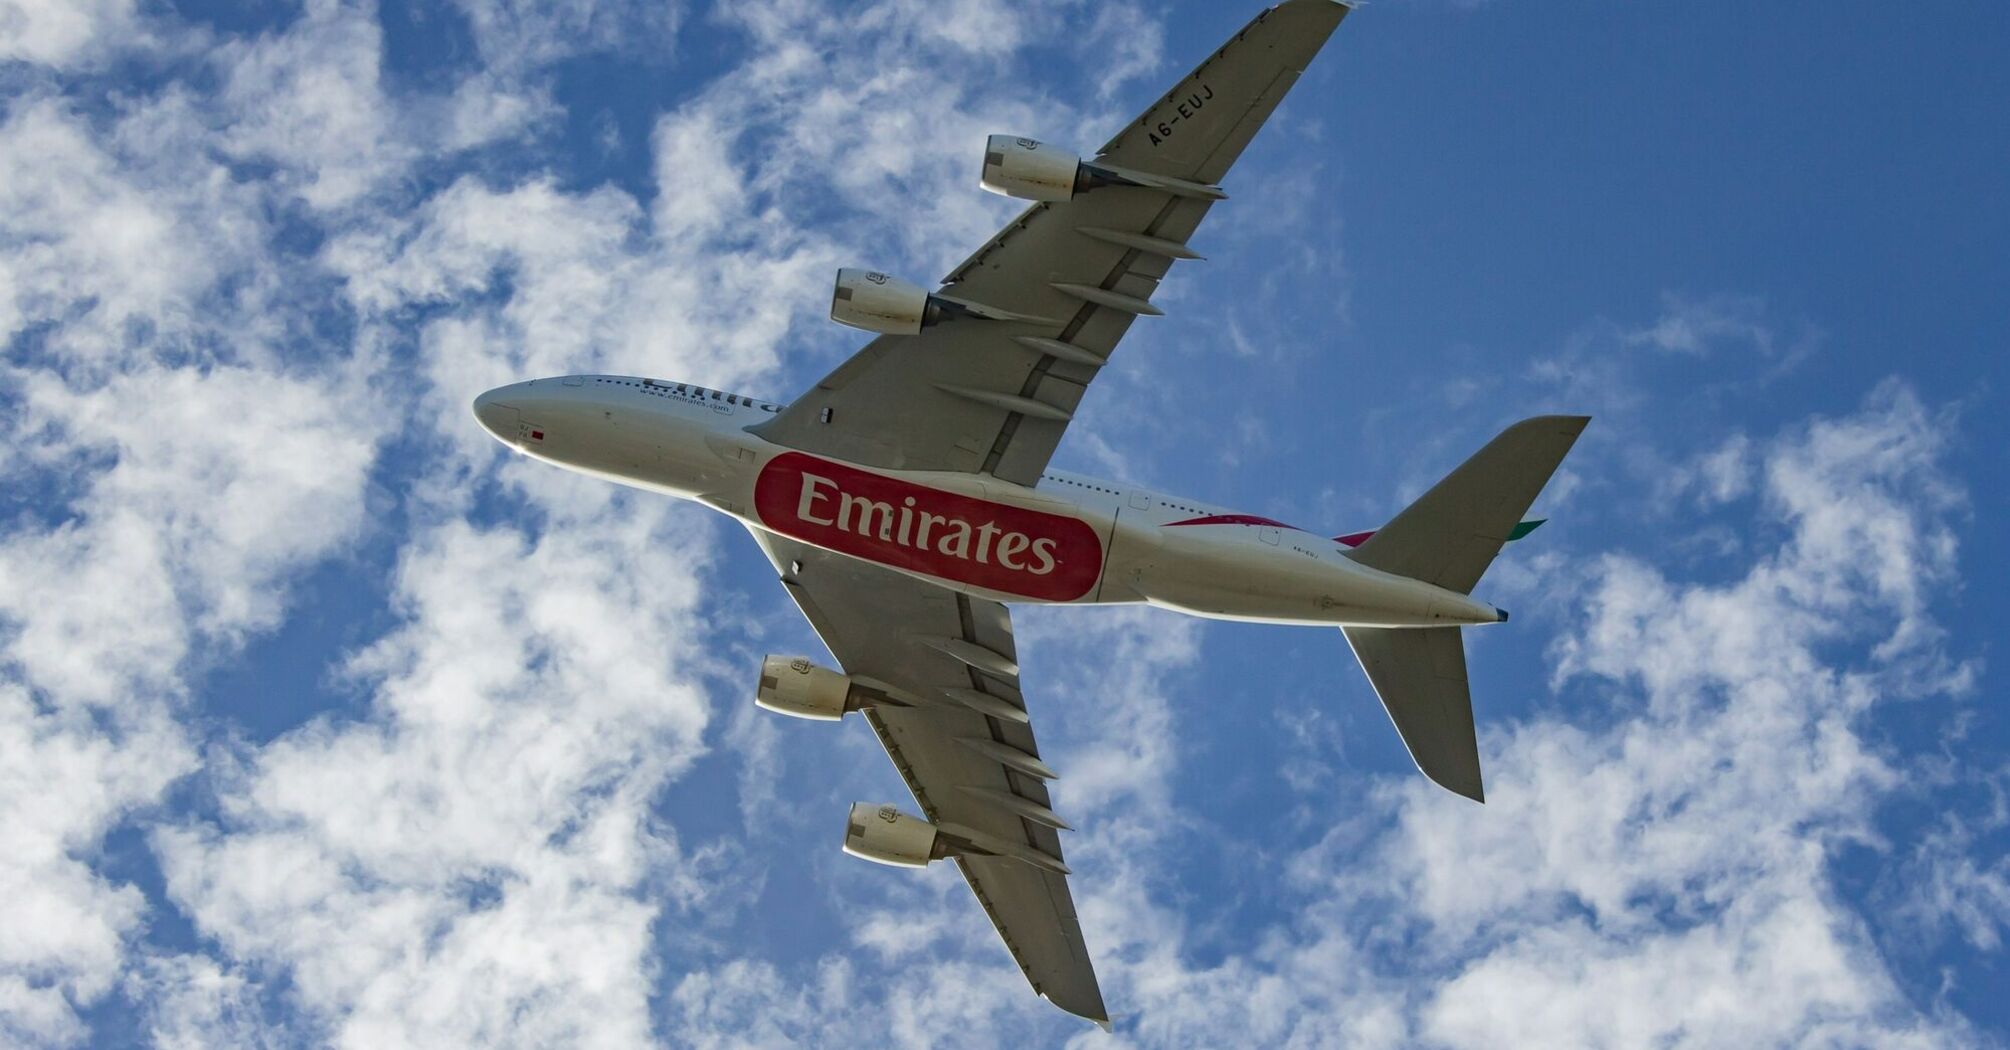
x,y
519,36
475,859
188,473
310,100
189,492
1693,325
220,485
1123,45
65,776
61,32
192,1002
101,239
883,107
1952,882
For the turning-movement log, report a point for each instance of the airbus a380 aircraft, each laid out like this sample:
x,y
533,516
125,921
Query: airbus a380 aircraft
x,y
906,498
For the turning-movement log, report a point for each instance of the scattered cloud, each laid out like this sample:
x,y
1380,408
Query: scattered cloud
x,y
1692,326
1657,869
226,295
518,37
61,33
477,853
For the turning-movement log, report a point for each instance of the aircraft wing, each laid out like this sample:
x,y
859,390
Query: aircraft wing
x,y
994,396
879,625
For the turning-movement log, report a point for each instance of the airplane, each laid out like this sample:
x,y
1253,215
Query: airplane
x,y
906,500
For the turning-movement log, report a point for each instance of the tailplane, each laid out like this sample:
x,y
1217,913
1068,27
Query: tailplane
x,y
1448,537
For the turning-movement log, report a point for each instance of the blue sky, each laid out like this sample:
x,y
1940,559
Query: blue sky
x,y
323,720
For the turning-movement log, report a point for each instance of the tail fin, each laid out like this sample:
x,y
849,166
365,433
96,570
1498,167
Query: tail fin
x,y
1448,537
1451,534
1420,674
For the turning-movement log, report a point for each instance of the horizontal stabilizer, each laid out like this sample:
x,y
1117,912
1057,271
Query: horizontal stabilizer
x,y
1420,674
1451,534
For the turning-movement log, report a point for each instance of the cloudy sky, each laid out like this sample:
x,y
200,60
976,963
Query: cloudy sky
x,y
324,720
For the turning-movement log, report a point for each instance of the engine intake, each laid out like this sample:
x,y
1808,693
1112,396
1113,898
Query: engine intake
x,y
881,833
792,685
878,302
1031,170
883,303
885,835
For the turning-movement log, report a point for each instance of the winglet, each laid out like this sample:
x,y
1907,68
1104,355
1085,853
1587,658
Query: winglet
x,y
1097,1015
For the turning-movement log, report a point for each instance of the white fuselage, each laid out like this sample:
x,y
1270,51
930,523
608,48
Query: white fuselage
x,y
1070,539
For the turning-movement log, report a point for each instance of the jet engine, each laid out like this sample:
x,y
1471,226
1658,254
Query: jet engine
x,y
885,835
1031,170
879,302
791,685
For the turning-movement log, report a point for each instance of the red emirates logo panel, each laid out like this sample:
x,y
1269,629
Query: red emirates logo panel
x,y
1001,548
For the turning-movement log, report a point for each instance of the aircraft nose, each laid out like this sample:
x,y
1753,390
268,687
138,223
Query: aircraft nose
x,y
496,414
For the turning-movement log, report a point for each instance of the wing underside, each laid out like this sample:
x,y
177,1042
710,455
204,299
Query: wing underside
x,y
886,628
995,396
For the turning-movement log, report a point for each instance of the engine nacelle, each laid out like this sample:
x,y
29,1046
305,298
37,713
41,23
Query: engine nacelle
x,y
879,302
791,685
885,835
1030,170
